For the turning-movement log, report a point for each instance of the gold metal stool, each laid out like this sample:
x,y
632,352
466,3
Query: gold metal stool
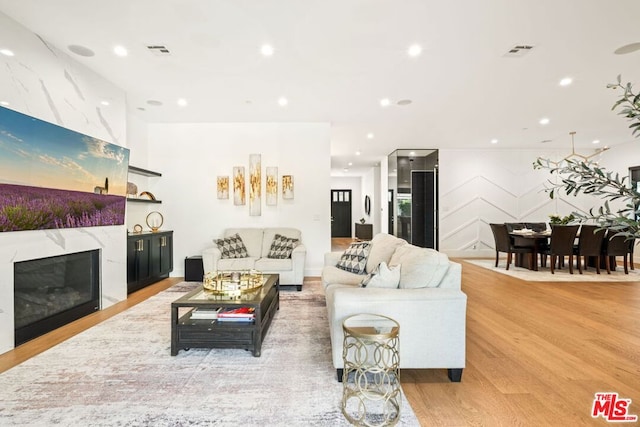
x,y
371,393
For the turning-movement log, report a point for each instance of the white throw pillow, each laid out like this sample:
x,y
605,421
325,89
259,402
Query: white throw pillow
x,y
383,277
421,267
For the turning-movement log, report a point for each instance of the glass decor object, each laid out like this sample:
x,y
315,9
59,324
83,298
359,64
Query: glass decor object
x,y
271,185
287,186
223,187
255,185
238,185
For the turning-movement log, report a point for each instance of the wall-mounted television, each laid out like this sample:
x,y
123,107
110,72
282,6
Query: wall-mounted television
x,y
52,177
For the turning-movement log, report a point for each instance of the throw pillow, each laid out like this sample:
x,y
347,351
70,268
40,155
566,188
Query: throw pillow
x,y
232,247
383,277
281,247
421,267
354,259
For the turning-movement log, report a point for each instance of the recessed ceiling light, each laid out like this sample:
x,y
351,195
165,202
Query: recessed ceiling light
x,y
5,103
544,121
494,141
414,50
120,51
370,135
282,101
596,141
358,153
182,102
385,102
266,50
80,50
412,153
566,81
7,52
105,103
350,164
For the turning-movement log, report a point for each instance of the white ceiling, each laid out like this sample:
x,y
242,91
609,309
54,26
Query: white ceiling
x,y
335,59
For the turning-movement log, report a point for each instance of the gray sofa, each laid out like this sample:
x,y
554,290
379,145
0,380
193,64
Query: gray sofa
x,y
429,304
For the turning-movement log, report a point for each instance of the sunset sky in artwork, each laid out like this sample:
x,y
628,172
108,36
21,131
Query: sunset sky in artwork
x,y
40,154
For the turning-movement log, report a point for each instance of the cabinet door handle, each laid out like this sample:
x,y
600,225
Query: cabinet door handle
x,y
163,241
140,244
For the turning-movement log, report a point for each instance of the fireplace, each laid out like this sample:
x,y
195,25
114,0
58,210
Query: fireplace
x,y
51,292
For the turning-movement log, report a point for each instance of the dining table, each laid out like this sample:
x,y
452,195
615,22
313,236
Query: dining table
x,y
537,240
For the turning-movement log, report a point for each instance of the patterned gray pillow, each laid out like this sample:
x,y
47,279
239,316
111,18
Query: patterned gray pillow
x,y
354,259
232,247
281,247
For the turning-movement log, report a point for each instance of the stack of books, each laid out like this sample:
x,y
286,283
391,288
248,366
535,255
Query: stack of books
x,y
205,313
239,314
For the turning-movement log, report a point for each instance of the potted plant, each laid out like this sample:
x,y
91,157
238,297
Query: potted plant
x,y
587,177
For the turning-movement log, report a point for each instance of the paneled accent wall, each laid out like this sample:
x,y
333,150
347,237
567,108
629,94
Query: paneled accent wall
x,y
479,187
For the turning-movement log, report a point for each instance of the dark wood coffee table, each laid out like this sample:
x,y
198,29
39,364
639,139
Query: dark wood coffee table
x,y
187,332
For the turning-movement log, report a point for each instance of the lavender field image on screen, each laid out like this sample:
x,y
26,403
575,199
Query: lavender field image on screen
x,y
33,208
53,177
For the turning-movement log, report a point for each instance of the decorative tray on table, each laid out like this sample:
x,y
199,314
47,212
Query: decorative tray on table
x,y
232,283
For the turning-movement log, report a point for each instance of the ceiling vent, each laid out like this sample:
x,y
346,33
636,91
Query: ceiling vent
x,y
519,50
159,50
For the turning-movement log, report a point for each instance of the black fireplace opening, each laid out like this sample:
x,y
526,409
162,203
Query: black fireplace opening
x,y
51,292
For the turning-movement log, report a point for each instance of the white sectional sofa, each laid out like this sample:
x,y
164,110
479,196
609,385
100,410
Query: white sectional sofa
x,y
429,304
258,244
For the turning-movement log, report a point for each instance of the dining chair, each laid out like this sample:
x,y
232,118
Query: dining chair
x,y
514,226
589,245
618,245
504,243
561,245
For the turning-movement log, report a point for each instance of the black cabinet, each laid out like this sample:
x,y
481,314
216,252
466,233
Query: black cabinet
x,y
364,231
149,258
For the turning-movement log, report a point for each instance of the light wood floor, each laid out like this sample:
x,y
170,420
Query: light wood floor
x,y
536,352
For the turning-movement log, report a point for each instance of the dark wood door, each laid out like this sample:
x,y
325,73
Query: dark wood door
x,y
424,209
340,213
391,213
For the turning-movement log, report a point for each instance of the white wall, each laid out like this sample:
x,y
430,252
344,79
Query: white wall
x,y
191,156
479,187
46,83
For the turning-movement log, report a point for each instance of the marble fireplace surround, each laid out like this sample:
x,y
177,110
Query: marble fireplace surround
x,y
27,245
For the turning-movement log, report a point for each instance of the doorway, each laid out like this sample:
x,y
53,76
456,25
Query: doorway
x,y
340,213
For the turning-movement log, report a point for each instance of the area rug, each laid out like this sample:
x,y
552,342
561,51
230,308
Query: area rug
x,y
544,273
120,373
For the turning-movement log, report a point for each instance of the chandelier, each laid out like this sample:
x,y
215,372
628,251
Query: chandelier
x,y
573,156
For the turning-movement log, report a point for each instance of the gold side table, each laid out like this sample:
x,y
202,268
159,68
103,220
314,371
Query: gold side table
x,y
371,393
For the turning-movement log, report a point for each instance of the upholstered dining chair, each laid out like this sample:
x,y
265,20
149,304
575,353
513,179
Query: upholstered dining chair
x,y
536,226
511,226
589,245
561,245
618,245
504,243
